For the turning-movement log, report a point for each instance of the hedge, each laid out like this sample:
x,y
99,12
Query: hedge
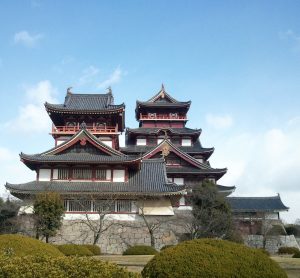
x,y
212,258
63,267
288,250
74,250
18,245
297,254
140,250
95,249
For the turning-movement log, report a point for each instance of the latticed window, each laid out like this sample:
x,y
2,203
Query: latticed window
x,y
79,205
98,206
101,174
123,206
82,174
63,173
103,206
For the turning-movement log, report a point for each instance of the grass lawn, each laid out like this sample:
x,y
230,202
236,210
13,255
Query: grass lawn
x,y
137,263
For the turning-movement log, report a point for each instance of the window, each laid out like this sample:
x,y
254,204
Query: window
x,y
100,206
102,174
103,205
123,206
82,174
186,142
78,205
141,142
63,174
118,175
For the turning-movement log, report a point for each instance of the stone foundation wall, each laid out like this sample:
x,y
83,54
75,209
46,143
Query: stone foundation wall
x,y
273,242
117,235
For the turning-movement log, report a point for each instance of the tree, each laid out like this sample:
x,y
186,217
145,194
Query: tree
x,y
211,214
8,213
48,211
102,208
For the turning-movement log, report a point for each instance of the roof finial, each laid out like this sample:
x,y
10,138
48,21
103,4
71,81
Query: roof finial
x,y
109,90
162,87
69,91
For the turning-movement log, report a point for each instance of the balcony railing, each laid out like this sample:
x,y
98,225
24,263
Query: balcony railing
x,y
91,128
162,117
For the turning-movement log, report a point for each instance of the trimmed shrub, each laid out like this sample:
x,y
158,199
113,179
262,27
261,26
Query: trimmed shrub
x,y
95,249
74,250
288,250
63,267
18,245
297,254
140,250
212,258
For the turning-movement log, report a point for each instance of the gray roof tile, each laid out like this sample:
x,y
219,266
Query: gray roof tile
x,y
254,204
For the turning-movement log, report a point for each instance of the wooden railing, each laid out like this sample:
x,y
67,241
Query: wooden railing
x,y
169,117
91,128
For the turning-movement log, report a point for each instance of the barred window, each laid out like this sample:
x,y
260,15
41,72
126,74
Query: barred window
x,y
100,174
103,206
63,173
79,205
123,206
99,206
82,174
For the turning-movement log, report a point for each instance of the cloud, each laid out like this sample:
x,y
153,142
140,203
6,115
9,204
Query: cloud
x,y
292,36
114,78
32,116
10,165
26,39
219,122
262,164
88,75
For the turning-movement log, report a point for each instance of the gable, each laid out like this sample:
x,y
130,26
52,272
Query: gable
x,y
87,148
84,141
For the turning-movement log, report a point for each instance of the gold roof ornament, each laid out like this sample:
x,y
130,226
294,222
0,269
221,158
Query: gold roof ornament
x,y
165,150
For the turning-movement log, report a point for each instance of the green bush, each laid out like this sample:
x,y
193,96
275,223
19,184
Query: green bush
x,y
297,254
74,250
212,258
288,250
19,245
95,249
140,250
63,267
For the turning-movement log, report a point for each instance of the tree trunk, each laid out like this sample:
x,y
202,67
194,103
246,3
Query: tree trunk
x,y
47,239
152,238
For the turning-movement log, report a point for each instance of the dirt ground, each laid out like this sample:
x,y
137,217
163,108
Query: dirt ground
x,y
290,265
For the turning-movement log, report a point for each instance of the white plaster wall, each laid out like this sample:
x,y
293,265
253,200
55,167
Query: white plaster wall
x,y
179,181
119,176
44,174
141,142
186,142
108,143
108,174
55,174
58,142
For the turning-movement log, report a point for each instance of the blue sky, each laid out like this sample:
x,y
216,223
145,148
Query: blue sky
x,y
238,61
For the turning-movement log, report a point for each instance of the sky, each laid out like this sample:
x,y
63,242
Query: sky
x,y
237,61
